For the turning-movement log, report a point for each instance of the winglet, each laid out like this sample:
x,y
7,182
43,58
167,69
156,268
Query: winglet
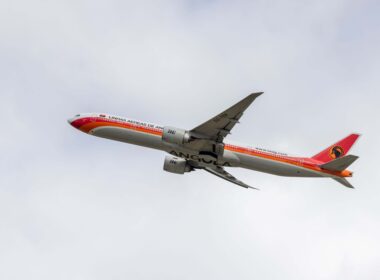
x,y
253,96
256,94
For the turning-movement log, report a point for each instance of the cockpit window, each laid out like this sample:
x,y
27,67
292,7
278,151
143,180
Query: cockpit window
x,y
78,115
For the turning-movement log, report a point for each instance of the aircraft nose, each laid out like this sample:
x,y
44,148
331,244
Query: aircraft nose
x,y
75,122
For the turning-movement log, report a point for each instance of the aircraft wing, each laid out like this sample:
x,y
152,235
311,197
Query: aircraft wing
x,y
220,172
221,125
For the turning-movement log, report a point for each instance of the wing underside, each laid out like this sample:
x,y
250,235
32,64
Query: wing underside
x,y
208,137
220,172
221,125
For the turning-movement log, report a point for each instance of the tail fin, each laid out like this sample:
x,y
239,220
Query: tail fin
x,y
337,150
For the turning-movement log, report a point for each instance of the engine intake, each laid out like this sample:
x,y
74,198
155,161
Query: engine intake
x,y
175,135
176,165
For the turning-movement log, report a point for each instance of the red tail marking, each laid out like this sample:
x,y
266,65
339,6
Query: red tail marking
x,y
339,149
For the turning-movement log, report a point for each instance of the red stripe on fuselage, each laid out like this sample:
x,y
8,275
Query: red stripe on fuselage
x,y
89,123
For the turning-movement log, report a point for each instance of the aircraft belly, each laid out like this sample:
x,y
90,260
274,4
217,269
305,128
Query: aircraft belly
x,y
229,159
129,136
275,167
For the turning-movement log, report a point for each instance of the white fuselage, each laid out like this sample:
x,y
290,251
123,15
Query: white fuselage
x,y
254,159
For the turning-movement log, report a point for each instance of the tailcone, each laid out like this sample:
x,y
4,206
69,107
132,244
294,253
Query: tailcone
x,y
347,173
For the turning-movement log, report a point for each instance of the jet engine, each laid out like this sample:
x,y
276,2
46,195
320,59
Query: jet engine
x,y
175,135
176,165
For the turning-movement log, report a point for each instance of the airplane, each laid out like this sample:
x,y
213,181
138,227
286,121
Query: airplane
x,y
204,147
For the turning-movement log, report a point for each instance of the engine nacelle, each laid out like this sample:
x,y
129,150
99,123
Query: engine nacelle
x,y
176,165
175,135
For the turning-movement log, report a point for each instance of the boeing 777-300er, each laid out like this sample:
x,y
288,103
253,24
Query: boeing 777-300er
x,y
203,147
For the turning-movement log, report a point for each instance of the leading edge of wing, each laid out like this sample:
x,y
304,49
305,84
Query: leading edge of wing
x,y
220,172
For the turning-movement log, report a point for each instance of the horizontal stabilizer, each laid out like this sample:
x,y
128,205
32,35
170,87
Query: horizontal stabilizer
x,y
344,182
339,164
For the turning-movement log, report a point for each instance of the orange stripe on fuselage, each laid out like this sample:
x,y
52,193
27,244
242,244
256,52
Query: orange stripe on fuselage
x,y
95,122
290,160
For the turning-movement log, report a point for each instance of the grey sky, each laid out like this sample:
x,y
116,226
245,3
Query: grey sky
x,y
79,207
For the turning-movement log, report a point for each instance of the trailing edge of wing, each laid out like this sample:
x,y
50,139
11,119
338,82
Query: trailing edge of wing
x,y
220,172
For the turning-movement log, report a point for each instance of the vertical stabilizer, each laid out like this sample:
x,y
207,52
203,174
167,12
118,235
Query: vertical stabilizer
x,y
337,150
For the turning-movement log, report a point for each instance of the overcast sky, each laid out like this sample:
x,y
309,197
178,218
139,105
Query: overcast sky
x,y
74,206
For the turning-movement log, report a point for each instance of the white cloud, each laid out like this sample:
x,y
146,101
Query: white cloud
x,y
78,207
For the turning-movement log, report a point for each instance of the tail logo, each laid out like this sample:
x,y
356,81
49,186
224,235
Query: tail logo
x,y
336,152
